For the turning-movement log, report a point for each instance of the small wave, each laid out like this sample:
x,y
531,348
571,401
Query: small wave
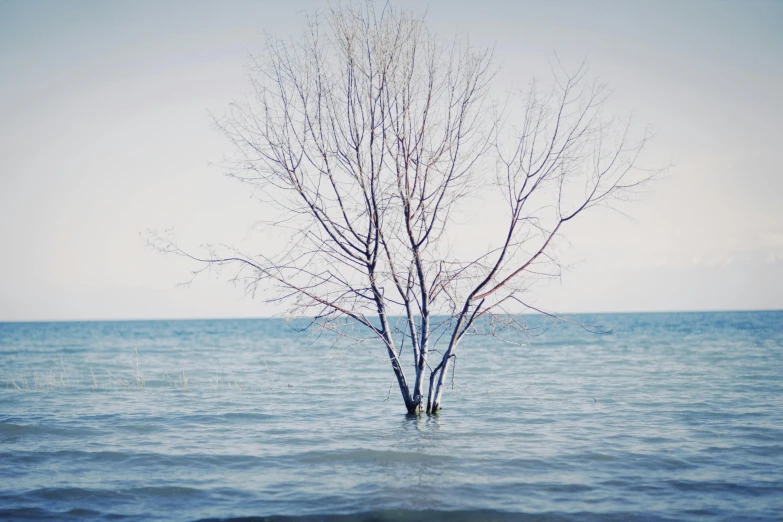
x,y
714,487
146,460
363,456
596,457
228,416
74,493
16,430
37,514
450,516
165,491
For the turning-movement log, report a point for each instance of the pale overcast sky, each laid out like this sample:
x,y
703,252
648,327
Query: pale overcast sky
x,y
105,133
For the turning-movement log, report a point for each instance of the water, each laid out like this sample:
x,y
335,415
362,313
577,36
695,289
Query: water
x,y
670,417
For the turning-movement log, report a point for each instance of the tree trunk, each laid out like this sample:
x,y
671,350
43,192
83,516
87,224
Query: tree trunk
x,y
410,404
420,365
439,390
433,404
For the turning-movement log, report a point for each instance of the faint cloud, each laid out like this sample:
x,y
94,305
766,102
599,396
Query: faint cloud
x,y
660,262
771,258
771,239
713,261
719,261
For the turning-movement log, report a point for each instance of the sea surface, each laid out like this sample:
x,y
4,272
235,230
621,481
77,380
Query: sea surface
x,y
667,417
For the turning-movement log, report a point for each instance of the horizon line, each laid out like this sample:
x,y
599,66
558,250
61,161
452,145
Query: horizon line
x,y
260,317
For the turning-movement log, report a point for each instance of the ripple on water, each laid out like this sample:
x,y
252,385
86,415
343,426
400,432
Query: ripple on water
x,y
671,417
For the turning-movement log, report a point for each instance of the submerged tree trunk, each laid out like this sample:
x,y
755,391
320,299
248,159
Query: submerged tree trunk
x,y
439,373
436,402
421,363
437,380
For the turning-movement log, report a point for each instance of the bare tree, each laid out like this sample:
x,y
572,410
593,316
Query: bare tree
x,y
369,135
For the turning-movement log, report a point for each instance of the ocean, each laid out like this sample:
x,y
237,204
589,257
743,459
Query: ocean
x,y
668,416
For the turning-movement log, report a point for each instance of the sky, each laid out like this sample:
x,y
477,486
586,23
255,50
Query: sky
x,y
105,133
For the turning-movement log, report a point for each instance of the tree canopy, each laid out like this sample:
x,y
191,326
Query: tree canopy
x,y
368,135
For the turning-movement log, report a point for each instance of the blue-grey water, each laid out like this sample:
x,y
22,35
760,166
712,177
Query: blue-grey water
x,y
668,417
